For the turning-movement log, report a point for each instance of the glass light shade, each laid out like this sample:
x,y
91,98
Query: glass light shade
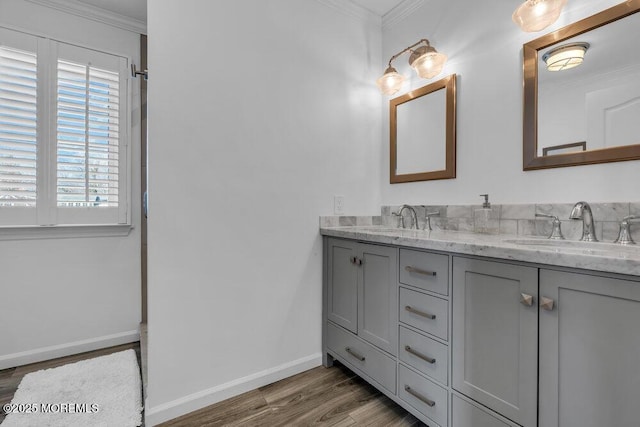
x,y
429,64
565,57
536,15
391,82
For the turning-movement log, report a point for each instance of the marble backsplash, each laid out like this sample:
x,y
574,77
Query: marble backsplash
x,y
510,219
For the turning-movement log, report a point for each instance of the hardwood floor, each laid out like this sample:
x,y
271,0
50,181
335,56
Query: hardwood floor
x,y
10,378
318,397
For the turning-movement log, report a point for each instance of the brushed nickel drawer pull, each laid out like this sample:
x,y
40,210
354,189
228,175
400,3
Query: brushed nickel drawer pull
x,y
419,271
419,313
354,354
420,355
418,396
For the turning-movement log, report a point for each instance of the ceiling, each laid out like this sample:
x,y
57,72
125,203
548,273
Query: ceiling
x,y
379,7
612,47
136,9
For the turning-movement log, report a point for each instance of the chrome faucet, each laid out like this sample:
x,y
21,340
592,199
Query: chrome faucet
x,y
414,216
582,211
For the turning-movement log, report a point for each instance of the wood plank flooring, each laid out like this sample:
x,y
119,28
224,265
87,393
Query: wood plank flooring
x,y
10,378
318,397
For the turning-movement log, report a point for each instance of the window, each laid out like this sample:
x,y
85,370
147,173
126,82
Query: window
x,y
63,134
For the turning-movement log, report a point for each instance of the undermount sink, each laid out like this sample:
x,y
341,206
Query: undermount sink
x,y
382,229
595,248
552,242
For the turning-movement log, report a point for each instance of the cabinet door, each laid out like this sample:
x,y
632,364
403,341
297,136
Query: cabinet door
x,y
495,337
589,351
378,291
342,283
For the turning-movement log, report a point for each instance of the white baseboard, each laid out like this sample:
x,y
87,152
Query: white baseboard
x,y
67,349
170,410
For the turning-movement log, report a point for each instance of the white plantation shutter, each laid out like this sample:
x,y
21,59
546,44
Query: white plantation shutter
x,y
18,128
63,133
88,101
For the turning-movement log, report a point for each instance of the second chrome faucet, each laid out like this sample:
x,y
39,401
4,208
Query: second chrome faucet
x,y
414,216
582,211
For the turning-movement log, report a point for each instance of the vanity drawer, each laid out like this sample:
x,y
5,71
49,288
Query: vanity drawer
x,y
426,355
467,415
425,270
424,395
362,356
427,313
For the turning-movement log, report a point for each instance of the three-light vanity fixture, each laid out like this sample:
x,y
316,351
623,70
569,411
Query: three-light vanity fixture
x,y
536,15
425,60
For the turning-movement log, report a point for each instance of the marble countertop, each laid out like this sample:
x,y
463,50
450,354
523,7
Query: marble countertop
x,y
607,257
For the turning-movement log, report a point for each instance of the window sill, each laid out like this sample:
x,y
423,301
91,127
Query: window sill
x,y
64,231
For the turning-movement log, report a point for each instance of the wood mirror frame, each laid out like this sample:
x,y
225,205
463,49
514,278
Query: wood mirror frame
x,y
531,160
449,85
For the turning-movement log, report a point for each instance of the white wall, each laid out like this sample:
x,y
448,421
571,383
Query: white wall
x,y
64,296
259,113
485,50
584,103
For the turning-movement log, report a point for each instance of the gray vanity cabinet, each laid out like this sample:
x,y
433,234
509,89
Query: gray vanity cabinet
x,y
495,336
362,291
461,341
589,351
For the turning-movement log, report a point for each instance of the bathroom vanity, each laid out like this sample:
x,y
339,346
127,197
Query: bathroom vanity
x,y
472,330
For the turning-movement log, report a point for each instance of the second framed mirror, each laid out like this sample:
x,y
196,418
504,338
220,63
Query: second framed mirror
x,y
582,91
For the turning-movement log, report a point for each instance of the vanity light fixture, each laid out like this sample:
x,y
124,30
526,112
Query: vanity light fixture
x,y
565,57
536,15
425,60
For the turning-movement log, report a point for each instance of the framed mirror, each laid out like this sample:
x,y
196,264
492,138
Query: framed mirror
x,y
423,133
588,113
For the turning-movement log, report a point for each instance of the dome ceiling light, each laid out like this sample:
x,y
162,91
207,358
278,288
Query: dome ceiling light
x,y
565,57
536,15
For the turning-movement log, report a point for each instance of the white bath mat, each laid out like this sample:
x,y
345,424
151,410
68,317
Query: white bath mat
x,y
100,392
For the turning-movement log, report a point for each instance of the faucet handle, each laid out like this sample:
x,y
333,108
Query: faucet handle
x,y
427,218
556,232
624,235
400,223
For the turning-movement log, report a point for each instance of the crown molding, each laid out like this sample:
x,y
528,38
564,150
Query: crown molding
x,y
353,11
95,14
400,12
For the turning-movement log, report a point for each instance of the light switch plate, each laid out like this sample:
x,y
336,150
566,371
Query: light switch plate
x,y
338,205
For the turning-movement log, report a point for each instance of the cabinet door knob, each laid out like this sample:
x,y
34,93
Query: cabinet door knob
x,y
526,299
358,261
352,259
546,303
